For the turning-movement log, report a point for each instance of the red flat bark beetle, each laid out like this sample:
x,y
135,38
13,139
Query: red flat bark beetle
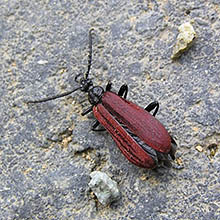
x,y
142,139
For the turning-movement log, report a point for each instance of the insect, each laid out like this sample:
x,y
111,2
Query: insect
x,y
142,139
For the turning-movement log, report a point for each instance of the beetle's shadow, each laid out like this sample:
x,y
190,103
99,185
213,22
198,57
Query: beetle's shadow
x,y
162,174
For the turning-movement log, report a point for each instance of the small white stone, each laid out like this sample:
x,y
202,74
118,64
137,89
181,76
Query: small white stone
x,y
184,39
105,189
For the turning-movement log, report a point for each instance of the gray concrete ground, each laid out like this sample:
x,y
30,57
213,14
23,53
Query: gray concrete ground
x,y
47,150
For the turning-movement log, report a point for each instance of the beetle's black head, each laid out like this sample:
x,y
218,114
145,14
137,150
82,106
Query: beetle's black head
x,y
86,84
95,94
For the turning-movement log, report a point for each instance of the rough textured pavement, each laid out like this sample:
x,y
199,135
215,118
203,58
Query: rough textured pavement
x,y
47,150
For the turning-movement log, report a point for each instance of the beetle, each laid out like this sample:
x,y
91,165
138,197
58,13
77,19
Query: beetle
x,y
142,139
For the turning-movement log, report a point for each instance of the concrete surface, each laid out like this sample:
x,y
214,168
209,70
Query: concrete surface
x,y
47,150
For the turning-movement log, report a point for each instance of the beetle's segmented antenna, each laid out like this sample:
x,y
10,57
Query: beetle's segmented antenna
x,y
53,97
90,54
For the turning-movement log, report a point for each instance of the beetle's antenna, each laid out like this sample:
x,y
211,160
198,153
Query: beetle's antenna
x,y
53,97
90,54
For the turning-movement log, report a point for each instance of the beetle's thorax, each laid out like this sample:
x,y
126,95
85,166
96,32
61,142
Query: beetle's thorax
x,y
95,94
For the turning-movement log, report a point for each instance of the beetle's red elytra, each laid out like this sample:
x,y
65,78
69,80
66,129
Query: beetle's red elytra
x,y
139,121
142,139
125,120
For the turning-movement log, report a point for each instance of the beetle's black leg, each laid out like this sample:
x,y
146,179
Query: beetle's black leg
x,y
123,91
151,106
108,86
95,125
87,111
173,148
